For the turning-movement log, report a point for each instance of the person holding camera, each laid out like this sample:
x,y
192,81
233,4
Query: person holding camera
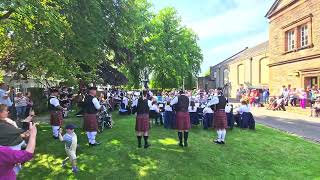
x,y
9,157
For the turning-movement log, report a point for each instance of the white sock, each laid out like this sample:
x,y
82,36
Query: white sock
x,y
89,136
223,134
93,137
219,135
55,131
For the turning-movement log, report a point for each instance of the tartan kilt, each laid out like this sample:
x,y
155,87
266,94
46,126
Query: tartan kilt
x,y
220,120
142,123
56,118
90,122
183,121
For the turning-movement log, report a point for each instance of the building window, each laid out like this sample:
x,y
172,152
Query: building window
x,y
240,74
304,35
263,71
225,76
215,75
290,39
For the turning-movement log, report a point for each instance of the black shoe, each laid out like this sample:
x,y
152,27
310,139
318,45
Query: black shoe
x,y
180,144
222,142
217,142
95,144
54,137
139,146
147,145
185,144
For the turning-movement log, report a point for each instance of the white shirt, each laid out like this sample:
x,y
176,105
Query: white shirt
x,y
134,102
207,110
174,101
154,108
54,101
214,100
168,108
125,101
192,110
228,108
243,108
96,103
3,100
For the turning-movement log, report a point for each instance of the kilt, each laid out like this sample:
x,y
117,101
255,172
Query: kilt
x,y
56,118
142,122
90,122
220,120
183,121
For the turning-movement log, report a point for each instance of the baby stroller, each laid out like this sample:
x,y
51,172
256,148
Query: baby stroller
x,y
104,119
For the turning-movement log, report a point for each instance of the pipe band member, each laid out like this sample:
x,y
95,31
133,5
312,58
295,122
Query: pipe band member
x,y
91,108
181,103
142,119
56,113
220,118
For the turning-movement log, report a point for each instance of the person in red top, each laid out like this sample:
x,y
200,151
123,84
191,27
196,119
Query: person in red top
x,y
9,157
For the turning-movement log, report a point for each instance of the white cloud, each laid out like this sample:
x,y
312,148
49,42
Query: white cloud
x,y
246,16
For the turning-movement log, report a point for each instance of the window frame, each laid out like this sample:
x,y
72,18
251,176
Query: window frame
x,y
291,44
303,30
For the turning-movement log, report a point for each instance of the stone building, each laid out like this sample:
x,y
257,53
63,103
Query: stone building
x,y
249,67
294,43
205,83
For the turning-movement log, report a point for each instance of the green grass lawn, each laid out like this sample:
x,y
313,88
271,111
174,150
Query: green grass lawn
x,y
261,154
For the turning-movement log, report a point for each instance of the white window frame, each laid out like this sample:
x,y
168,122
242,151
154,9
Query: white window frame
x,y
291,42
304,35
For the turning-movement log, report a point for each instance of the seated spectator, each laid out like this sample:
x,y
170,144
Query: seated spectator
x,y
244,107
9,157
155,112
10,134
124,106
280,104
194,119
272,103
315,110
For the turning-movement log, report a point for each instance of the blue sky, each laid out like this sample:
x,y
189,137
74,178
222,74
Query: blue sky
x,y
224,27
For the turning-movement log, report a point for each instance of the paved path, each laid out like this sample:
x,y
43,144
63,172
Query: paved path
x,y
300,125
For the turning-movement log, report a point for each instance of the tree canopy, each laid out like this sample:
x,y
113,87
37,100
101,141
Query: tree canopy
x,y
99,41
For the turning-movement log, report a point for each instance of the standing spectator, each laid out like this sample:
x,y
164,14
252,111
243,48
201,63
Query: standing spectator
x,y
4,99
265,96
12,95
285,95
29,104
21,105
9,157
238,95
293,97
303,98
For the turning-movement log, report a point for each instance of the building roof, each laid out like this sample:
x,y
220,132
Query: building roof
x,y
231,57
278,6
254,51
246,53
